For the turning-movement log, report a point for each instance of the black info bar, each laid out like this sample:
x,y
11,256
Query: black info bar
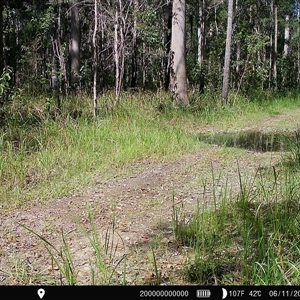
x,y
148,292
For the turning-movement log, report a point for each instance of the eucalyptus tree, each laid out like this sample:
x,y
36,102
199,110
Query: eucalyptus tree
x,y
201,32
95,57
178,84
74,47
227,53
119,51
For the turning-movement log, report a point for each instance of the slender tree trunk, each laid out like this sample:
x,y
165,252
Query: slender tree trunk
x,y
271,61
60,53
116,54
53,65
75,45
285,69
54,80
101,55
122,44
144,67
1,51
298,46
178,84
286,36
238,60
298,62
167,31
134,46
275,47
119,44
238,55
227,53
1,38
95,61
201,44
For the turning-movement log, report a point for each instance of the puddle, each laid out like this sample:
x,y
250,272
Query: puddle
x,y
251,140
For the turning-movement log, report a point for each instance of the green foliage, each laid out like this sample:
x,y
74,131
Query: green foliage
x,y
4,82
32,31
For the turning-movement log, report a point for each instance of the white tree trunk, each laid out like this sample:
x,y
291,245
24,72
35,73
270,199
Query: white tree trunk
x,y
116,54
227,53
178,84
60,54
201,34
95,57
75,45
286,36
275,47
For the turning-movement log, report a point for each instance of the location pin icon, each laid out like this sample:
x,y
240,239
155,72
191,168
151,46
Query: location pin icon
x,y
41,293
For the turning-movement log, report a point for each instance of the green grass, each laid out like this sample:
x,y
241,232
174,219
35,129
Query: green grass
x,y
48,152
102,262
249,239
52,157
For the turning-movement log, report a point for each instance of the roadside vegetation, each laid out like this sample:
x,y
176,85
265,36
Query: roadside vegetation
x,y
252,239
248,238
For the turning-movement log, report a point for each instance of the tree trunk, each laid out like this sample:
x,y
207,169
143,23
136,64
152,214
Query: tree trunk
x,y
167,19
1,50
122,46
117,63
74,50
286,36
285,69
201,45
226,72
119,44
144,66
134,46
237,54
60,53
95,58
54,80
275,47
53,65
1,38
178,84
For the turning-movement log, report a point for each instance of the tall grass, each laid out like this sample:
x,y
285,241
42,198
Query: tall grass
x,y
47,152
250,239
52,156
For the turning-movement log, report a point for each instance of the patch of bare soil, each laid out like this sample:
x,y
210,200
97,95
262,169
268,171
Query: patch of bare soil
x,y
131,214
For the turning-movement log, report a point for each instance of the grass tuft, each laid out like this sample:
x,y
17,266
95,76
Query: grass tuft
x,y
252,239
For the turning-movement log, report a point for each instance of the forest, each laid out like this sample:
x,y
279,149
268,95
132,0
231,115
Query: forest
x,y
150,143
64,47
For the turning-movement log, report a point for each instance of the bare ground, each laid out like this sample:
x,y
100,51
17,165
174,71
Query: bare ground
x,y
132,211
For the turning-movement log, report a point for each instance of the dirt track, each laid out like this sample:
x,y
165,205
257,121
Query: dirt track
x,y
141,206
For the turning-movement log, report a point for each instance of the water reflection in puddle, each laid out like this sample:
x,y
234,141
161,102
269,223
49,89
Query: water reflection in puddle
x,y
251,140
